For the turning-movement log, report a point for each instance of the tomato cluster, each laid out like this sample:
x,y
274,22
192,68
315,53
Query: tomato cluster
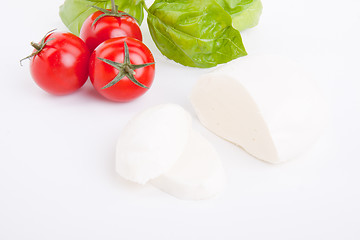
x,y
109,51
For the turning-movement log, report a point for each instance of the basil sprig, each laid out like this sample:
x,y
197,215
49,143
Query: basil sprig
x,y
244,13
195,33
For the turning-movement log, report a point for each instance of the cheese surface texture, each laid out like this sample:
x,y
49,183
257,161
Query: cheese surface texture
x,y
265,104
198,174
152,142
160,146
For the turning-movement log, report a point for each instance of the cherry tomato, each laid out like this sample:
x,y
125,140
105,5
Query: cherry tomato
x,y
122,69
106,24
59,63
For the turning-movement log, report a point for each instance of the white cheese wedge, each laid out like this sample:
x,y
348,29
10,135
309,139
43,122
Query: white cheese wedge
x,y
265,104
198,174
152,142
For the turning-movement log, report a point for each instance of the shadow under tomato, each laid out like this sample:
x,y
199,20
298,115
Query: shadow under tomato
x,y
89,91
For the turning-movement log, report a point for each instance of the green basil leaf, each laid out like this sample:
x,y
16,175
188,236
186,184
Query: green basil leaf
x,y
196,33
244,13
74,12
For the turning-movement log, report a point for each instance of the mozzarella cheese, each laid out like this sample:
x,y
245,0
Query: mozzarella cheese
x,y
152,142
198,174
265,104
160,146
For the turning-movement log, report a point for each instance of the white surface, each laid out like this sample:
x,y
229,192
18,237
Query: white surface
x,y
57,156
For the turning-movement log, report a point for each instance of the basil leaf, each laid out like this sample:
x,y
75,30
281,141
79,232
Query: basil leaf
x,y
244,13
196,33
74,12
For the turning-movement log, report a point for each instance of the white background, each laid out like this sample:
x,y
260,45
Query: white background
x,y
57,178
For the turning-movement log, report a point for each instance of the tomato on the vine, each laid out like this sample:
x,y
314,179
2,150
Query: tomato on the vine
x,y
59,63
122,69
105,24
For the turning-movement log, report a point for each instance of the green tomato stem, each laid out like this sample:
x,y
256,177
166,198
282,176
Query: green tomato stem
x,y
113,6
126,69
114,12
36,46
39,46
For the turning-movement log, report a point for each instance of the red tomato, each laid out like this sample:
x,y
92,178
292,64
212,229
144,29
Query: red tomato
x,y
122,69
60,64
108,27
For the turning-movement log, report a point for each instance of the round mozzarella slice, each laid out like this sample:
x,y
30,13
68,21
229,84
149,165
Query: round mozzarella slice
x,y
152,142
198,174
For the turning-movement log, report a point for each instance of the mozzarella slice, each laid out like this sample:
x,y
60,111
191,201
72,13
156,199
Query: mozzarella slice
x,y
152,142
198,174
265,104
